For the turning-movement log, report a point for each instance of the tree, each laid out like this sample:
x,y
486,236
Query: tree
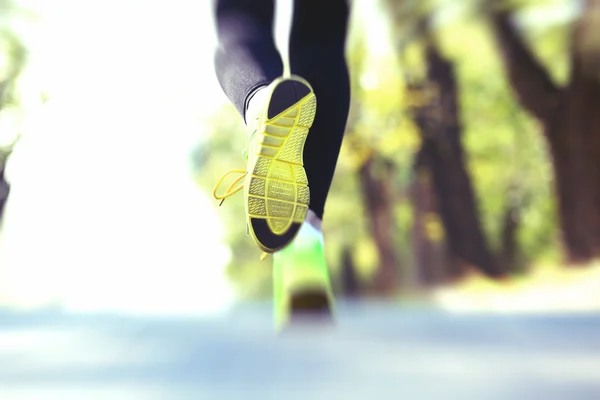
x,y
349,282
437,115
570,121
443,154
430,253
375,172
14,52
376,177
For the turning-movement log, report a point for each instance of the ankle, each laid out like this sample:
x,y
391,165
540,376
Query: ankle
x,y
254,105
313,220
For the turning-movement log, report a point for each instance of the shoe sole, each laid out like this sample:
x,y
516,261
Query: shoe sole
x,y
276,187
309,308
310,304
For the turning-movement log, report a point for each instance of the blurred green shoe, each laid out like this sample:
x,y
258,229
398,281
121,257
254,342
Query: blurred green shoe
x,y
301,283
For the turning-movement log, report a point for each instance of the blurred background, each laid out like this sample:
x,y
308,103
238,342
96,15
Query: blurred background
x,y
462,230
468,178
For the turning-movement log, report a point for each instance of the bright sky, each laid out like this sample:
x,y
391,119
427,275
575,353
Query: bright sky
x,y
103,213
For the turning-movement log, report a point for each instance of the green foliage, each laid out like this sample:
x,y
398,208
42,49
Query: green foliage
x,y
505,149
219,152
13,58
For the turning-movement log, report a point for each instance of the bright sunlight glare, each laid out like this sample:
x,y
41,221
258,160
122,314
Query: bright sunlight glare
x,y
103,213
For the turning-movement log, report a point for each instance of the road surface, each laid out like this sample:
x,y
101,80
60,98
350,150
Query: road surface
x,y
375,352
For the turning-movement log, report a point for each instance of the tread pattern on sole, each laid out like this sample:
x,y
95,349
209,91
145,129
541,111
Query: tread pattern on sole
x,y
278,186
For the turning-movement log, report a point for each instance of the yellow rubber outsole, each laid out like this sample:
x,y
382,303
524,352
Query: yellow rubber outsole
x,y
276,185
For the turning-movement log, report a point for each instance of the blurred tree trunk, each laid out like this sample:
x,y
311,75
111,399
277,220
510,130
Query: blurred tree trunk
x,y
439,124
376,178
349,279
571,125
509,251
4,190
430,257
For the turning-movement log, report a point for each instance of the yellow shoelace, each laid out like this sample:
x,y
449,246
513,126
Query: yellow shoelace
x,y
234,187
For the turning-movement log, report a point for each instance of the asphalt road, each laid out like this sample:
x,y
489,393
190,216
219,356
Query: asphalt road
x,y
375,352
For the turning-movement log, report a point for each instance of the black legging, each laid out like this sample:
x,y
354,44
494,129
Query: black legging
x,y
248,59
